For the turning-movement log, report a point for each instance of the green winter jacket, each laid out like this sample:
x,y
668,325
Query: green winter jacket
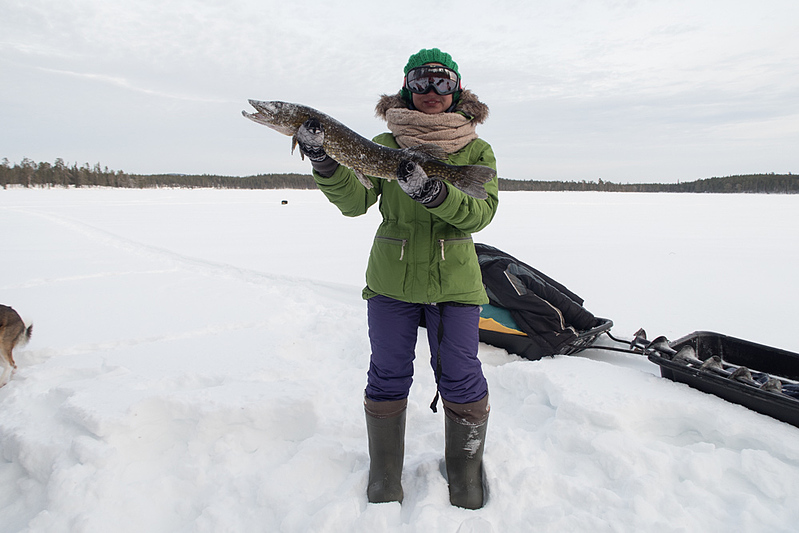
x,y
421,255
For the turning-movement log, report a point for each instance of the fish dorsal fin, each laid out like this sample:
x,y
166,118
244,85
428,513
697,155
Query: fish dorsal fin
x,y
429,149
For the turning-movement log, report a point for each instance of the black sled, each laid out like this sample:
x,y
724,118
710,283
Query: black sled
x,y
761,378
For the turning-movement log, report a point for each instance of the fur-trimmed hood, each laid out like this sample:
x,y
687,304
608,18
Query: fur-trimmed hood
x,y
468,104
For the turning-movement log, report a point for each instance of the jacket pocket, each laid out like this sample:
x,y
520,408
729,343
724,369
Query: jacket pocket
x,y
385,272
458,268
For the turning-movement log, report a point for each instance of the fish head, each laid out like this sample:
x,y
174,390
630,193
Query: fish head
x,y
283,117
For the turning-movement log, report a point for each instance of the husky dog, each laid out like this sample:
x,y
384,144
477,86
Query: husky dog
x,y
12,333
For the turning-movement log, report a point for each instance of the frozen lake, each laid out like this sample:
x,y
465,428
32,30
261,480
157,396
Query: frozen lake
x,y
199,356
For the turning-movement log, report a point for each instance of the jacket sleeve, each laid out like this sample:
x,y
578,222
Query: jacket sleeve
x,y
347,193
465,212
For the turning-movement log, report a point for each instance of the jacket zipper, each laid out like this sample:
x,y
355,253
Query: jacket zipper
x,y
442,241
402,243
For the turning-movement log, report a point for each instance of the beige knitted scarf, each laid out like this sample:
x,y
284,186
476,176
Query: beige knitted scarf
x,y
449,131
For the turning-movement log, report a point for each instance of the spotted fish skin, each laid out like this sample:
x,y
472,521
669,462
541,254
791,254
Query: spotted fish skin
x,y
366,157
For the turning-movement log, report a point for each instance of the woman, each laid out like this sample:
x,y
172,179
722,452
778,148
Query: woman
x,y
422,270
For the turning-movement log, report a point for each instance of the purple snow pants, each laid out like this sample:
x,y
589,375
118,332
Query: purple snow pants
x,y
393,329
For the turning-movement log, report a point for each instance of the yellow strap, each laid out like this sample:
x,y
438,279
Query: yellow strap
x,y
490,324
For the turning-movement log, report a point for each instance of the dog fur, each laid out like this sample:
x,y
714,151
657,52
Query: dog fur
x,y
12,333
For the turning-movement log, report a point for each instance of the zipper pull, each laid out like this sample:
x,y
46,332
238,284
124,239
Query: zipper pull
x,y
402,249
442,249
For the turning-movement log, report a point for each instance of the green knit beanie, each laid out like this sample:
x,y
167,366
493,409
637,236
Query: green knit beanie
x,y
432,55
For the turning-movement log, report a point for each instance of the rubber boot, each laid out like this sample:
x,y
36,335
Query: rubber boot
x,y
465,426
385,425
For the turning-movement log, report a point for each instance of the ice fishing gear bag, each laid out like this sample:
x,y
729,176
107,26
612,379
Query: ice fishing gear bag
x,y
529,313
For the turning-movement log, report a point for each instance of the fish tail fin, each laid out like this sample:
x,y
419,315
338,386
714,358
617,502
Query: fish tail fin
x,y
472,178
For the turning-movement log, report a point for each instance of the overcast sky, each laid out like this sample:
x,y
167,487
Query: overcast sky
x,y
622,90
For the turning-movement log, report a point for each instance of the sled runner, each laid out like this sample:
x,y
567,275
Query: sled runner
x,y
529,313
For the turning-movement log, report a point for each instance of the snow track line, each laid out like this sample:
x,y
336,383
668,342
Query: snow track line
x,y
182,335
38,282
182,262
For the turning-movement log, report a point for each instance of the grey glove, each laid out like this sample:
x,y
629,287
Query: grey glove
x,y
419,186
310,138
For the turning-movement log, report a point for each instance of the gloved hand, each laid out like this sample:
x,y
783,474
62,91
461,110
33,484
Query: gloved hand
x,y
310,138
418,185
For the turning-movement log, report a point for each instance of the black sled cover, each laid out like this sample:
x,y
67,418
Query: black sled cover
x,y
531,314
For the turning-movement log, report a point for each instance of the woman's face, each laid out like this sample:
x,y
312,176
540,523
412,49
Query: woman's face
x,y
432,102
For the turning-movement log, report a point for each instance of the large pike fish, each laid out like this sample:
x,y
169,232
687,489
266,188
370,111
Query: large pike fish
x,y
368,158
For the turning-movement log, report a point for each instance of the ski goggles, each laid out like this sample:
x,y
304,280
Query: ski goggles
x,y
443,80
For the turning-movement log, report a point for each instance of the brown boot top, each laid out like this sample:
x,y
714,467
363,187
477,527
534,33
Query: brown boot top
x,y
474,413
388,409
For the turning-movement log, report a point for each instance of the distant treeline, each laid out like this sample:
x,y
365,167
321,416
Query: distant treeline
x,y
750,183
59,174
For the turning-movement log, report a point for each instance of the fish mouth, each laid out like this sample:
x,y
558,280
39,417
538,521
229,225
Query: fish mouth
x,y
268,114
267,108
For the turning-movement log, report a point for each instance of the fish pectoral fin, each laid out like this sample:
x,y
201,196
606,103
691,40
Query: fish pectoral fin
x,y
363,179
294,145
431,150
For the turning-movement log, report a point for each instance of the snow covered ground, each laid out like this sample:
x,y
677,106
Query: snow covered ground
x,y
199,357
